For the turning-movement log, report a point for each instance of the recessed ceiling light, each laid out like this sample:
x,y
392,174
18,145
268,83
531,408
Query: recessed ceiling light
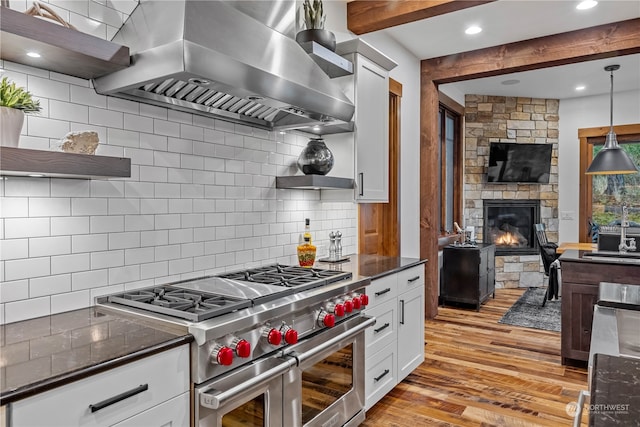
x,y
511,82
33,54
586,4
36,175
581,87
316,128
474,29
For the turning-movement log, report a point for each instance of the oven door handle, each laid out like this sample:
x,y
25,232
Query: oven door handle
x,y
213,398
361,323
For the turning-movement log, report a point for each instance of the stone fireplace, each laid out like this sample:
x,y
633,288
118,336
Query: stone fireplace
x,y
509,225
510,119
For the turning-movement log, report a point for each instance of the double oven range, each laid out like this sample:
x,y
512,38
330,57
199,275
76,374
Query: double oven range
x,y
275,346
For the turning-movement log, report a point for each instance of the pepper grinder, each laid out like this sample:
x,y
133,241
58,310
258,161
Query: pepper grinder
x,y
332,246
338,245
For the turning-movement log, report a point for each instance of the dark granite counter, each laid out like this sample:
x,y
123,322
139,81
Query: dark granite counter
x,y
615,394
572,255
39,354
373,266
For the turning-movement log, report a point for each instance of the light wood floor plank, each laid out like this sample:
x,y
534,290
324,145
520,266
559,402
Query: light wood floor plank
x,y
479,372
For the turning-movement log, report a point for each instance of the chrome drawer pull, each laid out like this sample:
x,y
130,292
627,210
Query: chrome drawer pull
x,y
115,399
382,292
413,279
385,326
379,377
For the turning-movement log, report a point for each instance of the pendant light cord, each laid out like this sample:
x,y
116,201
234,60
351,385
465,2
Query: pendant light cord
x,y
611,104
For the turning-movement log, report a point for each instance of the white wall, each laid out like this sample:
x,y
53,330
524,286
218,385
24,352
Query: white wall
x,y
577,113
408,74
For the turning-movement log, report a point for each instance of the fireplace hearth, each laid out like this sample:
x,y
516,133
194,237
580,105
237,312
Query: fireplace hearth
x,y
509,225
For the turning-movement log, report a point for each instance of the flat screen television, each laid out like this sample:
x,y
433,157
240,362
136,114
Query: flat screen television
x,y
523,163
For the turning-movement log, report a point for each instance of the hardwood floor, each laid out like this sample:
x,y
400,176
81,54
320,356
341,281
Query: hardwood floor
x,y
480,372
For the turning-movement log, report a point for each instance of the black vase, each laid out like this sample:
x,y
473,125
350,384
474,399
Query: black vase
x,y
316,158
323,37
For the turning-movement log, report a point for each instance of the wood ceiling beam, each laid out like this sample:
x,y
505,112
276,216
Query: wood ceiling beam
x,y
365,16
604,41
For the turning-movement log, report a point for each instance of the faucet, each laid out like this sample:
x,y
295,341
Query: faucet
x,y
626,243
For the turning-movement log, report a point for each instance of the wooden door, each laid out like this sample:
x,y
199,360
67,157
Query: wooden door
x,y
378,224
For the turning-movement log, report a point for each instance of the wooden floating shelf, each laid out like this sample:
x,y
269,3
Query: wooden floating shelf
x,y
314,182
62,49
55,164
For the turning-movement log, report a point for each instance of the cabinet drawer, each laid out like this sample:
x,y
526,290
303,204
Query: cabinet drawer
x,y
410,278
173,413
384,331
166,375
382,290
380,375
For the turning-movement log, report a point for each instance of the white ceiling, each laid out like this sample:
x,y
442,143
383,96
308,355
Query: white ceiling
x,y
507,21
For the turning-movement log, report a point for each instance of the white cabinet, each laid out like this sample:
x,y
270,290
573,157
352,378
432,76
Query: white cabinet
x,y
153,391
370,92
394,346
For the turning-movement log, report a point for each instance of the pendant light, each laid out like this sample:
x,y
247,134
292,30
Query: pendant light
x,y
611,160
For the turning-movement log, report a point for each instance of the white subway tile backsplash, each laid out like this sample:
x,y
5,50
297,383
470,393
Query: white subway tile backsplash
x,y
50,285
27,309
46,246
127,206
124,240
124,274
180,266
87,96
89,243
178,145
14,207
104,14
162,127
139,256
89,206
204,234
69,263
60,110
167,190
154,269
14,290
123,105
180,117
139,222
154,238
167,221
107,224
69,225
138,123
70,301
139,189
153,174
154,112
59,206
154,206
70,188
14,249
107,188
89,279
180,236
179,176
47,128
167,253
214,164
104,117
191,162
123,138
27,268
107,259
16,228
195,133
46,88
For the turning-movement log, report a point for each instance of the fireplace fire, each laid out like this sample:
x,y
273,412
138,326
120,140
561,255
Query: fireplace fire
x,y
509,225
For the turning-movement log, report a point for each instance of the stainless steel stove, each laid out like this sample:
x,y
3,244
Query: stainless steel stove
x,y
245,320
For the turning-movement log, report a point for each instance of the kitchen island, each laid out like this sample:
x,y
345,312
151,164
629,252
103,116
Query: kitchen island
x,y
581,275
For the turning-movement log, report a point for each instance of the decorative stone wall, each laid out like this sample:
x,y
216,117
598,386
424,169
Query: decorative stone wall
x,y
510,119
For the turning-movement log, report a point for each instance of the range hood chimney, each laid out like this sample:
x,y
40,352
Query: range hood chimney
x,y
209,58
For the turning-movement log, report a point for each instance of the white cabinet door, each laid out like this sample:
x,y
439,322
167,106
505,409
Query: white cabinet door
x,y
172,413
410,331
372,131
111,396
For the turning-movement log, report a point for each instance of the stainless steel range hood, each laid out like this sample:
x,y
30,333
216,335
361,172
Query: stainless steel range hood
x,y
209,58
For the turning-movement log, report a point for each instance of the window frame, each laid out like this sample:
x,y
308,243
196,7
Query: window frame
x,y
451,109
589,137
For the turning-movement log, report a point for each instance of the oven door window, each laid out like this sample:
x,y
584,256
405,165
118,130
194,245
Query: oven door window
x,y
326,381
250,413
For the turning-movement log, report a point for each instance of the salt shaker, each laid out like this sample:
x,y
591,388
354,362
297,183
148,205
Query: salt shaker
x,y
332,246
338,245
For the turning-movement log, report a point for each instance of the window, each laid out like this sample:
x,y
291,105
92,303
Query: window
x,y
602,196
450,163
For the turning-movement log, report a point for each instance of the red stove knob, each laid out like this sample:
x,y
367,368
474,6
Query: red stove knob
x,y
243,348
364,300
336,308
273,336
326,319
290,335
357,302
222,355
348,306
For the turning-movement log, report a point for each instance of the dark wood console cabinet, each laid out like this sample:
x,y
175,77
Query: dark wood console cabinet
x,y
468,274
580,280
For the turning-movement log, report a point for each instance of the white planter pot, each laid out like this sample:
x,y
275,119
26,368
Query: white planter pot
x,y
10,126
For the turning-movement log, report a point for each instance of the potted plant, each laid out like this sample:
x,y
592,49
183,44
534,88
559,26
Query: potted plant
x,y
14,103
314,18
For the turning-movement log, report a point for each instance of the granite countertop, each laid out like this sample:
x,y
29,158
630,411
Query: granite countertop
x,y
615,395
609,258
39,354
373,266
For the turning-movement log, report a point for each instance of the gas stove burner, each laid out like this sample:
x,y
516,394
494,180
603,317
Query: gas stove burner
x,y
187,304
288,276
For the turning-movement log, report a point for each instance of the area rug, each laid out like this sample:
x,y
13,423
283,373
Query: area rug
x,y
529,313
